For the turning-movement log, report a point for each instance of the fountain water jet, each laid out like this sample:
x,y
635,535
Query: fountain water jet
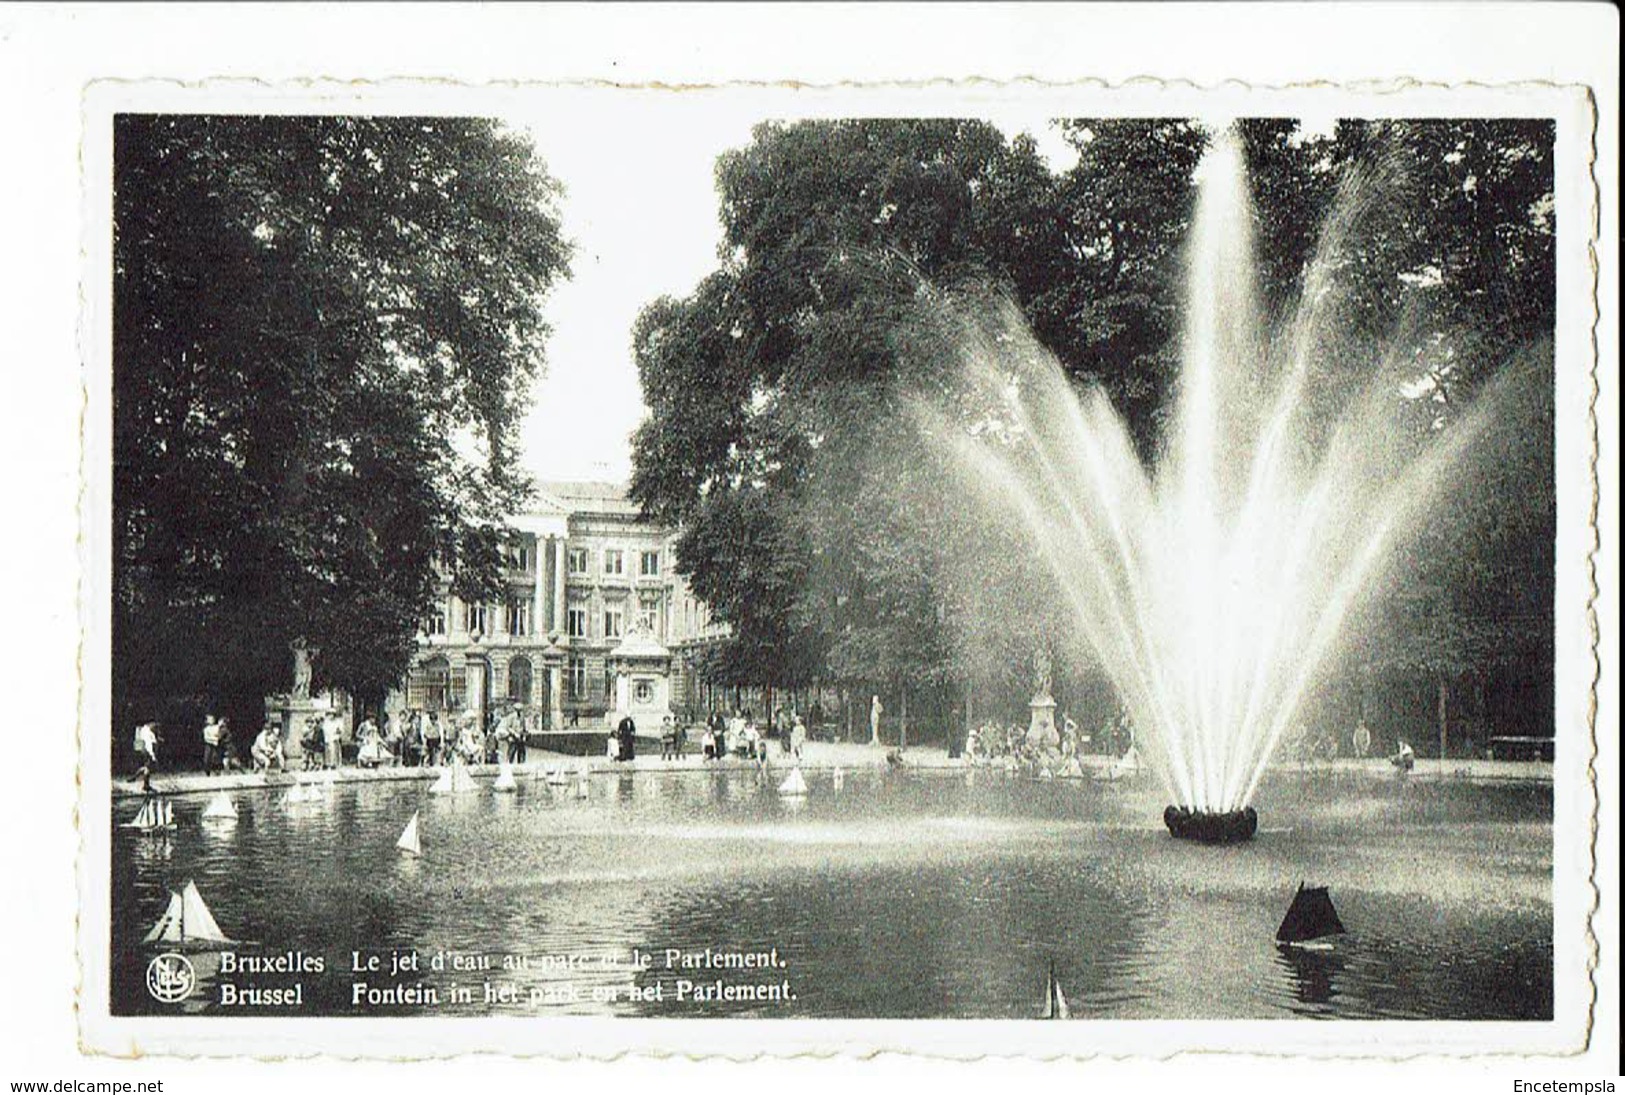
x,y
1213,589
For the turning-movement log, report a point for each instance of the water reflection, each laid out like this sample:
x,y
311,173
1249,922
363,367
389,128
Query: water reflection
x,y
1313,973
902,896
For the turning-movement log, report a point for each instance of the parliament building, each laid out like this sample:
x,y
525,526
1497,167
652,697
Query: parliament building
x,y
594,623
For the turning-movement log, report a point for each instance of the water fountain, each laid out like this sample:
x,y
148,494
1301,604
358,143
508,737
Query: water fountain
x,y
1213,586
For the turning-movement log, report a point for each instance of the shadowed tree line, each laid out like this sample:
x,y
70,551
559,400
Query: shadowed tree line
x,y
817,519
325,330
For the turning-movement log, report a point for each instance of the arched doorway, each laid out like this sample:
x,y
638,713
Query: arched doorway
x,y
521,682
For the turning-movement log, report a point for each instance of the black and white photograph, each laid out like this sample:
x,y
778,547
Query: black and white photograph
x,y
1059,568
961,567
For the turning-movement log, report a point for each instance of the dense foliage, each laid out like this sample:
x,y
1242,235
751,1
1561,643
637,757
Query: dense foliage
x,y
325,330
815,519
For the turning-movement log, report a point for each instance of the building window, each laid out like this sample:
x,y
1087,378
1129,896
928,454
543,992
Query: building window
x,y
644,691
520,679
648,618
578,560
614,561
429,686
575,623
474,619
519,556
518,617
614,620
436,622
575,679
649,564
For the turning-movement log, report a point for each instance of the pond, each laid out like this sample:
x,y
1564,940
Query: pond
x,y
900,894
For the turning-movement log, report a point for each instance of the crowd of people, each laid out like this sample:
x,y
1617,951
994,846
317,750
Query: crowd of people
x,y
1015,746
408,739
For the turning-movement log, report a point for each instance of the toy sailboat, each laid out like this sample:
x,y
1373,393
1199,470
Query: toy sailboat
x,y
409,842
1310,921
220,808
454,781
794,784
556,776
156,813
1054,999
302,793
186,920
505,780
838,780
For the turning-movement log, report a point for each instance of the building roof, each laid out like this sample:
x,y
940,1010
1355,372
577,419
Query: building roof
x,y
585,496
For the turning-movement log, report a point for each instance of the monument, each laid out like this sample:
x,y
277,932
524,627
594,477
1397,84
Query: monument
x,y
642,671
292,709
1041,732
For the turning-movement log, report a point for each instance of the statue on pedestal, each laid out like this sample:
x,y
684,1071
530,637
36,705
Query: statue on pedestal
x,y
1041,732
301,671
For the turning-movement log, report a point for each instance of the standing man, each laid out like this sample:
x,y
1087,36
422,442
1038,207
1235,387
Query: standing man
x,y
874,720
333,734
626,731
146,748
211,744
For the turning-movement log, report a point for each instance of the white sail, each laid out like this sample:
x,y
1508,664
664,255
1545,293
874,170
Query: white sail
x,y
556,776
461,781
794,783
1054,999
220,808
441,786
838,780
300,794
504,780
156,813
186,920
409,837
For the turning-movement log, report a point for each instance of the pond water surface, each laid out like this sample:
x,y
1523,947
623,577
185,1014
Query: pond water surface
x,y
899,895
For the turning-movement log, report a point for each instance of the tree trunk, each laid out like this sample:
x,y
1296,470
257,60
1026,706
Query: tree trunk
x,y
902,720
1443,722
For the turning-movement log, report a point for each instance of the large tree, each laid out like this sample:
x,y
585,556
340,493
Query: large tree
x,y
783,388
325,332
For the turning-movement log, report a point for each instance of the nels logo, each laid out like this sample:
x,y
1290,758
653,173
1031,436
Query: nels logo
x,y
170,978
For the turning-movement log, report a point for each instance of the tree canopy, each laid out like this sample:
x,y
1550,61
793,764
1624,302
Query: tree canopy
x,y
325,332
814,517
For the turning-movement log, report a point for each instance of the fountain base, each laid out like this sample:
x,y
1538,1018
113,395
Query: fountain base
x,y
1205,827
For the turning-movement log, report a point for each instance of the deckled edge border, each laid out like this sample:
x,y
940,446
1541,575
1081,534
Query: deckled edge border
x,y
1374,86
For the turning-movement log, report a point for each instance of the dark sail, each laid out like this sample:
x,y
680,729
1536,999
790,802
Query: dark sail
x,y
1310,917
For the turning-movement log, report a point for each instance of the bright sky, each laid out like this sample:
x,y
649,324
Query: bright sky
x,y
641,207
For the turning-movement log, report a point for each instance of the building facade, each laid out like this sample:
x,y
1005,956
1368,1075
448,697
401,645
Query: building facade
x,y
585,573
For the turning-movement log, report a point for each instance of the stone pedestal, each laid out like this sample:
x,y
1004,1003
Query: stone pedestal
x,y
642,669
1041,732
553,665
291,713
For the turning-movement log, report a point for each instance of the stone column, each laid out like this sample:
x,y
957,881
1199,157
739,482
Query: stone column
x,y
556,620
555,695
538,601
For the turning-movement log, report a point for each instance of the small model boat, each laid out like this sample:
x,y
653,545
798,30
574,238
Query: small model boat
x,y
1310,921
220,808
156,814
794,785
505,780
409,841
186,920
1054,999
